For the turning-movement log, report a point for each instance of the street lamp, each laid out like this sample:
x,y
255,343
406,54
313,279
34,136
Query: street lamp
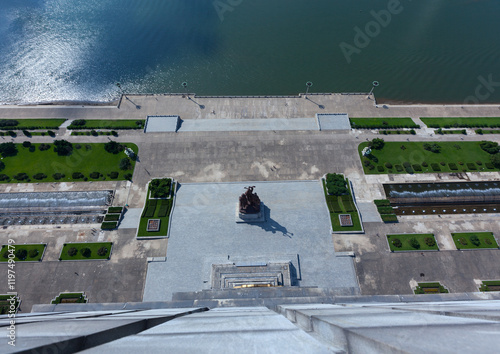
x,y
185,84
308,84
374,84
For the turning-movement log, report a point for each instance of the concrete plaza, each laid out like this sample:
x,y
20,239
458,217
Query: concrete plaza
x,y
204,231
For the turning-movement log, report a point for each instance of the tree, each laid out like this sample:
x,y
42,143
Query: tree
x,y
8,149
2,165
495,160
435,148
86,252
113,147
21,254
72,251
63,147
489,146
125,164
102,251
377,143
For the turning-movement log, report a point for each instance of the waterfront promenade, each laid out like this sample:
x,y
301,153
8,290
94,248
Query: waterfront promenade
x,y
234,107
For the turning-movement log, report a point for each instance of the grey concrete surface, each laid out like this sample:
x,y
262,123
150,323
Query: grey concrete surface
x,y
204,231
131,218
256,124
333,121
161,124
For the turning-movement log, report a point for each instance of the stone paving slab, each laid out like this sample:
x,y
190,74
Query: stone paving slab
x,y
333,121
369,212
160,124
203,227
256,124
131,218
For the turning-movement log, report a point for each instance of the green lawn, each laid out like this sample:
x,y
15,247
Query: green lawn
x,y
110,124
383,123
486,239
94,247
459,153
35,124
334,217
88,158
5,304
28,247
459,122
430,288
78,298
490,285
164,220
405,242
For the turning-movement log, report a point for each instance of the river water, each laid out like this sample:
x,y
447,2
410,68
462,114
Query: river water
x,y
420,51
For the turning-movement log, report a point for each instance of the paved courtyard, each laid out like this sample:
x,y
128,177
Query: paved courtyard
x,y
204,231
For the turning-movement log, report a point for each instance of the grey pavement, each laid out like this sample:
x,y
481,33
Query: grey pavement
x,y
161,124
338,121
131,218
256,124
204,231
369,212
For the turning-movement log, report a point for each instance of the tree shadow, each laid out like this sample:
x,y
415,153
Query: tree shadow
x,y
271,225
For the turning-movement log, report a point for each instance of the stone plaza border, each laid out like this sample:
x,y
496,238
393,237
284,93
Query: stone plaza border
x,y
323,179
173,187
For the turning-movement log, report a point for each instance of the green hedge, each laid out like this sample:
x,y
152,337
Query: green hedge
x,y
115,210
109,225
389,218
112,217
382,202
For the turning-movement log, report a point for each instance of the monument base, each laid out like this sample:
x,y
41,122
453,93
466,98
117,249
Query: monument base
x,y
250,218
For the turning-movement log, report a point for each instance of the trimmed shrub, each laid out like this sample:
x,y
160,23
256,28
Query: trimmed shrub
x,y
113,175
26,144
406,164
388,165
397,243
399,168
453,166
21,253
414,243
489,165
58,176
471,166
380,168
39,176
463,241
72,251
108,225
43,147
430,241
425,164
32,148
95,175
21,176
102,251
442,163
77,175
474,240
435,167
33,253
389,218
434,147
479,163
382,202
86,252
417,167
4,177
488,241
409,170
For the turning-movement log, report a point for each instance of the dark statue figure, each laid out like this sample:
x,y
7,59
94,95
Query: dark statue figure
x,y
249,202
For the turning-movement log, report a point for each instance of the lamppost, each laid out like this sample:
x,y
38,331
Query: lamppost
x,y
185,84
308,84
374,84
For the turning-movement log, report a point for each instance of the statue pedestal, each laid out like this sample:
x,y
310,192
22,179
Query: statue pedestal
x,y
250,218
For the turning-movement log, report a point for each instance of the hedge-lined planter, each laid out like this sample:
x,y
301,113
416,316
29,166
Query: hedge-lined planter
x,y
94,247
